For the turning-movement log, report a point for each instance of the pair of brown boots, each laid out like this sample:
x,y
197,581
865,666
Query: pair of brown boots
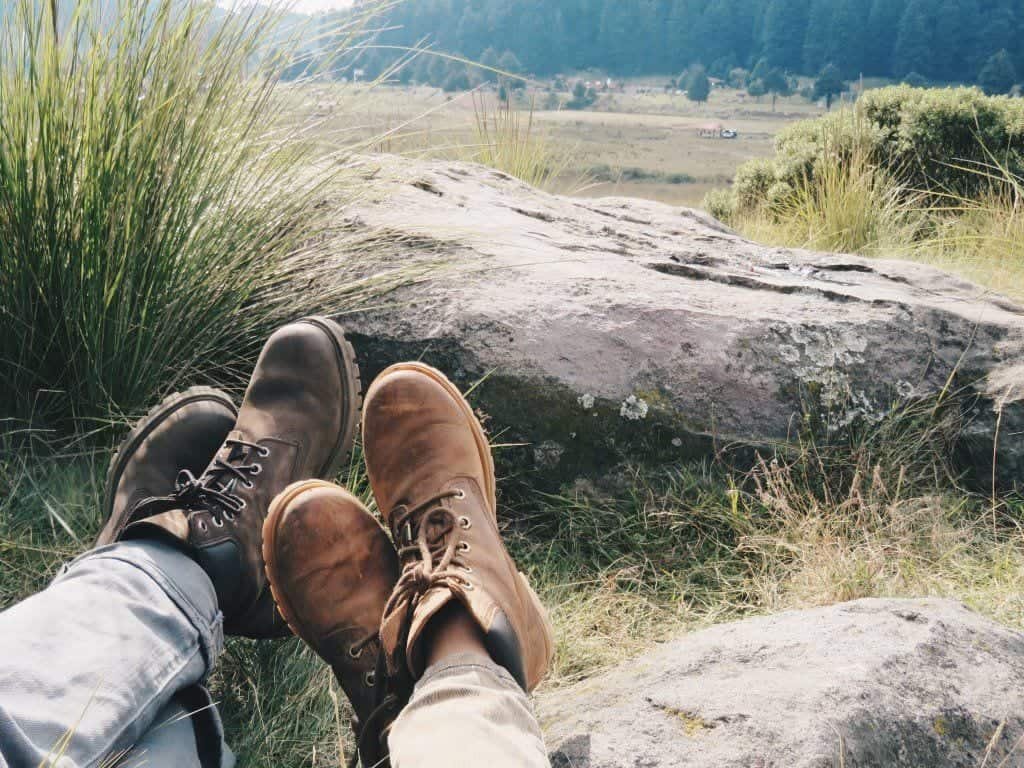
x,y
245,494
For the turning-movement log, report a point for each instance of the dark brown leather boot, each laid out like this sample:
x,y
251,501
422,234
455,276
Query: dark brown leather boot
x,y
332,569
297,421
182,432
430,467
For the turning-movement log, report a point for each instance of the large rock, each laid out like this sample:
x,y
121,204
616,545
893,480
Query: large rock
x,y
622,326
869,684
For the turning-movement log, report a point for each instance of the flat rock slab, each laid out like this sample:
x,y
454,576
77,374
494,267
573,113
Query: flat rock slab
x,y
621,327
868,684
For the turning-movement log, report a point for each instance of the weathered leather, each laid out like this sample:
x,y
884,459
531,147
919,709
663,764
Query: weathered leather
x,y
332,568
182,432
422,441
296,422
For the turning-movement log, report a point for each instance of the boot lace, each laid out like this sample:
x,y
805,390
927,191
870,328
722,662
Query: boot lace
x,y
388,705
215,491
432,562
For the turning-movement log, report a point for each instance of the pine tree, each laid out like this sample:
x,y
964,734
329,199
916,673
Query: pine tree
x,y
785,27
698,86
829,84
777,84
883,21
617,30
846,45
998,75
915,51
819,29
683,33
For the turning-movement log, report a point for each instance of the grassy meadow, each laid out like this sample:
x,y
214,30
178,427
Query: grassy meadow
x,y
188,199
631,144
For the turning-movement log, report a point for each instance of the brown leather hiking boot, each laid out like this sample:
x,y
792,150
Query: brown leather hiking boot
x,y
182,432
297,421
332,569
431,471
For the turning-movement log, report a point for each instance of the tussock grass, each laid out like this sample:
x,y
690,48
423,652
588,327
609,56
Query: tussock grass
x,y
155,216
507,140
982,237
867,510
848,206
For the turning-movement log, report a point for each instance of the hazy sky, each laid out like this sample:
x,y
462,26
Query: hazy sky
x,y
312,6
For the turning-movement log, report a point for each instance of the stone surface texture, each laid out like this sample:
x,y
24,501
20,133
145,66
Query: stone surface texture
x,y
613,327
867,684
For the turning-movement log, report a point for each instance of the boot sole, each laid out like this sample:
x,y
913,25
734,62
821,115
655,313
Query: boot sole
x,y
348,366
145,426
482,443
275,518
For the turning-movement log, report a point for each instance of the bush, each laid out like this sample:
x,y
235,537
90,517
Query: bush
x,y
753,180
720,203
933,140
153,212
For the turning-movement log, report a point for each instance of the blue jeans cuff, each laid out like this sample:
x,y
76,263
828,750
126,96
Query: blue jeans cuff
x,y
180,578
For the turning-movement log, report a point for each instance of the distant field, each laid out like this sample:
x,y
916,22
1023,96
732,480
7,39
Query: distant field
x,y
640,145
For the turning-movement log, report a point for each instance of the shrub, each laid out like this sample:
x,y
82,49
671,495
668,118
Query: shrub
x,y
721,203
153,213
928,139
753,180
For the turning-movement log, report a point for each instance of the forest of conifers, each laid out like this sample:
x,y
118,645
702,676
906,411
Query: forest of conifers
x,y
937,40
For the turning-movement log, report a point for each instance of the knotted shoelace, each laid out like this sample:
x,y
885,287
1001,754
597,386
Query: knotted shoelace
x,y
214,492
424,528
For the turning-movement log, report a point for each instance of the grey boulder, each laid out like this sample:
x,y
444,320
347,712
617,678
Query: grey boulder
x,y
868,684
620,328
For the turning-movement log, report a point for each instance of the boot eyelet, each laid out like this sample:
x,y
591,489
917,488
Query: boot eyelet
x,y
242,505
218,522
249,484
202,526
264,452
464,546
467,569
256,469
354,652
229,517
460,494
370,679
468,585
465,522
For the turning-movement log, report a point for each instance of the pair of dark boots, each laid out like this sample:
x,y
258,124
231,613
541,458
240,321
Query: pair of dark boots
x,y
245,494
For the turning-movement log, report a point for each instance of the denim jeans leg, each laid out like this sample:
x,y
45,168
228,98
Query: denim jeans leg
x,y
90,664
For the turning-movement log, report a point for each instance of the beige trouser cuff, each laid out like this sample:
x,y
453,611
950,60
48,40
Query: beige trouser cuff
x,y
467,712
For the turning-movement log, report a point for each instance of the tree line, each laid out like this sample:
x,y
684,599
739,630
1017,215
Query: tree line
x,y
930,40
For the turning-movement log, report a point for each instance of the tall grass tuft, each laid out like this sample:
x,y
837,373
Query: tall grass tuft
x,y
508,140
981,237
844,201
154,214
851,206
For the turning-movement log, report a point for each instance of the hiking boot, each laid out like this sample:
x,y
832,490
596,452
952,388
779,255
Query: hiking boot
x,y
431,471
331,569
182,432
297,421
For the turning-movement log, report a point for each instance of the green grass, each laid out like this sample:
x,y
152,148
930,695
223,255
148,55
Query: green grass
x,y
155,216
868,510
